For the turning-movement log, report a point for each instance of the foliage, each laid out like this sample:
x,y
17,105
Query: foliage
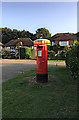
x,y
26,53
8,34
43,32
33,54
55,48
66,48
60,56
77,34
72,60
51,55
7,54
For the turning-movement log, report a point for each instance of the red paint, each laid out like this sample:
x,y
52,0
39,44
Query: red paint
x,y
42,60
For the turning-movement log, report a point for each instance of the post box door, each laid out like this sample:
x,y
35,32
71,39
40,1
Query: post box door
x,y
41,60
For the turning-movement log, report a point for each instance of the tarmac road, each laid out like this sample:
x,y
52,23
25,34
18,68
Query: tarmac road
x,y
11,68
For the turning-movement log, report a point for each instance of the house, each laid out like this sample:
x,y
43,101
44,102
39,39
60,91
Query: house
x,y
16,43
1,45
63,39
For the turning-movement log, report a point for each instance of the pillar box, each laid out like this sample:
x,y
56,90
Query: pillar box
x,y
41,50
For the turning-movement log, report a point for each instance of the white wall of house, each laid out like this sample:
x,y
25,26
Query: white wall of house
x,y
53,43
33,47
8,48
63,43
0,48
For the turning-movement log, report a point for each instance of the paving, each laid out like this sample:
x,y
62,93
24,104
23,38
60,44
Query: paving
x,y
10,68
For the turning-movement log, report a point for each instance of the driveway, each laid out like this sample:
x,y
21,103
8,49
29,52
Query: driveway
x,y
11,68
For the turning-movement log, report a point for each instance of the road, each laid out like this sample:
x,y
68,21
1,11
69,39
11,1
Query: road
x,y
11,68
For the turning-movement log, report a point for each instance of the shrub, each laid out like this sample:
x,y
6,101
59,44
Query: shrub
x,y
7,54
55,48
26,53
72,60
66,48
60,56
51,55
33,54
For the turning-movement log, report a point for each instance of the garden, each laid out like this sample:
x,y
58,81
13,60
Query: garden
x,y
23,97
55,52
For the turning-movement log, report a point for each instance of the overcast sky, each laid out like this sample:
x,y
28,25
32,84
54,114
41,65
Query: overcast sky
x,y
57,17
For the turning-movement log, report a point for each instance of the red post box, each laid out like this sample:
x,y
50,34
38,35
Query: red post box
x,y
42,72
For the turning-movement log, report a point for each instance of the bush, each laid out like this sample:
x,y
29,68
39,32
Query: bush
x,y
33,54
55,48
51,55
26,53
60,56
7,54
72,60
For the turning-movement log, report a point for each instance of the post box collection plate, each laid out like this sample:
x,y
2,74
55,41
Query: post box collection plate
x,y
39,53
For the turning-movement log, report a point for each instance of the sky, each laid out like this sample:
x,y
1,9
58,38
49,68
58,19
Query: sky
x,y
57,17
77,16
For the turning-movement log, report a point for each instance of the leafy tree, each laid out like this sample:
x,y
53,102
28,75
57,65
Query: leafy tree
x,y
6,35
23,34
77,34
15,34
43,32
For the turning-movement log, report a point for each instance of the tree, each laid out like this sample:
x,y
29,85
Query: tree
x,y
23,34
77,34
15,34
43,32
6,35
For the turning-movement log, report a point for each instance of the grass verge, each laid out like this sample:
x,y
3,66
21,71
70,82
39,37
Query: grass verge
x,y
23,97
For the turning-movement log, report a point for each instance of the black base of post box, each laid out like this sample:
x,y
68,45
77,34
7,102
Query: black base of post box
x,y
43,78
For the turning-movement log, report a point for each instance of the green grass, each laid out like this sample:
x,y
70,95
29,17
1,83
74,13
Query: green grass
x,y
24,98
56,60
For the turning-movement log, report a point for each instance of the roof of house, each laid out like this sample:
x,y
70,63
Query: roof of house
x,y
20,41
64,36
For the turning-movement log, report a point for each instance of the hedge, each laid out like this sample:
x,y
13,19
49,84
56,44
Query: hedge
x,y
27,53
72,60
51,55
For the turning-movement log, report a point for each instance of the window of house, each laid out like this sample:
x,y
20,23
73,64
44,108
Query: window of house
x,y
53,43
8,47
0,48
12,47
63,43
17,47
